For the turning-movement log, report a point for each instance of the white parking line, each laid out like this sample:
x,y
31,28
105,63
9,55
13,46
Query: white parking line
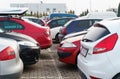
x,y
50,77
49,50
58,72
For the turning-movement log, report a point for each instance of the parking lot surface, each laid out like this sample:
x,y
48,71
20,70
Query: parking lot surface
x,y
49,67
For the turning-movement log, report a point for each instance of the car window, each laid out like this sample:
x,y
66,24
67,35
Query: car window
x,y
84,24
61,22
96,33
79,25
53,24
10,25
38,21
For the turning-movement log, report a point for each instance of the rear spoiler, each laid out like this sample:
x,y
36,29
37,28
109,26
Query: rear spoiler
x,y
9,12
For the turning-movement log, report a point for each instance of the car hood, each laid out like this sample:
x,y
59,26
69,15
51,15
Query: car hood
x,y
17,36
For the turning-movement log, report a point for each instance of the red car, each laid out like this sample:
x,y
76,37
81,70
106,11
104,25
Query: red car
x,y
69,48
39,33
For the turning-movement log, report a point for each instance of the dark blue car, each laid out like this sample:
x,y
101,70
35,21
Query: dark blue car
x,y
77,25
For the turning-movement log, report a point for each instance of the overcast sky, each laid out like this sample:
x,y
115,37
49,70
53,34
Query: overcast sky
x,y
77,5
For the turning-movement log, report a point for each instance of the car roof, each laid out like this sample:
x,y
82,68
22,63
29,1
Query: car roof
x,y
112,24
30,17
60,19
63,18
85,18
62,15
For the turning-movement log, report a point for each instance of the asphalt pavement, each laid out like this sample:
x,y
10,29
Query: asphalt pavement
x,y
49,67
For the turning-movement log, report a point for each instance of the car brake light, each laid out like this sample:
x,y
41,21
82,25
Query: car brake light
x,y
94,77
106,45
47,25
7,54
64,31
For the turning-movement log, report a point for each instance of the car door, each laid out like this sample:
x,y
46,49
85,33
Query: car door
x,y
55,30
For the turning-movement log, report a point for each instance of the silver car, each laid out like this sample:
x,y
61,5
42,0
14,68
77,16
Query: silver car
x,y
11,66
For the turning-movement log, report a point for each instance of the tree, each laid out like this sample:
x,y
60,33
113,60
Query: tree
x,y
31,13
71,12
84,13
118,10
40,14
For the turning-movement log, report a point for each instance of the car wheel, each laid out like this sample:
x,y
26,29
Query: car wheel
x,y
117,76
56,38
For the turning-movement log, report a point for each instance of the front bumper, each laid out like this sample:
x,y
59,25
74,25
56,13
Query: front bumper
x,y
30,55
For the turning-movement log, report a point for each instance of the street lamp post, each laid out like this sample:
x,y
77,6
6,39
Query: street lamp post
x,y
90,5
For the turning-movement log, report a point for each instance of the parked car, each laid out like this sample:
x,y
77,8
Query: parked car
x,y
11,66
55,25
101,15
61,15
36,20
39,33
29,48
69,48
76,25
74,34
99,54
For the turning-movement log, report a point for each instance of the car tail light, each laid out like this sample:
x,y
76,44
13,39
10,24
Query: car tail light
x,y
94,77
106,45
64,31
7,54
47,32
47,25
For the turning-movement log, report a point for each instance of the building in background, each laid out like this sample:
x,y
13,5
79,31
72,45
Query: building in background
x,y
113,10
41,7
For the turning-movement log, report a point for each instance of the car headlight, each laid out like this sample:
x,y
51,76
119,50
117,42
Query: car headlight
x,y
68,44
26,43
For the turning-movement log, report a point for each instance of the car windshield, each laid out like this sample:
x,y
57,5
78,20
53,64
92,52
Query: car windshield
x,y
97,32
66,24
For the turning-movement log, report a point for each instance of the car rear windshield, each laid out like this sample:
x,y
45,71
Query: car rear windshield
x,y
96,33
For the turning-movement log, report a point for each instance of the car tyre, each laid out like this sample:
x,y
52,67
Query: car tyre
x,y
117,76
56,38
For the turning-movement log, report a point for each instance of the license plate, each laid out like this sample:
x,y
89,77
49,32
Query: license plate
x,y
84,51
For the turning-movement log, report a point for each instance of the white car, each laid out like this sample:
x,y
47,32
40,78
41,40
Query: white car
x,y
11,66
56,24
74,34
99,56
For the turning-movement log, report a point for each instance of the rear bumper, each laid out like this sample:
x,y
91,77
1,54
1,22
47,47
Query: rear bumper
x,y
68,55
82,74
13,72
46,43
11,76
30,55
96,66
